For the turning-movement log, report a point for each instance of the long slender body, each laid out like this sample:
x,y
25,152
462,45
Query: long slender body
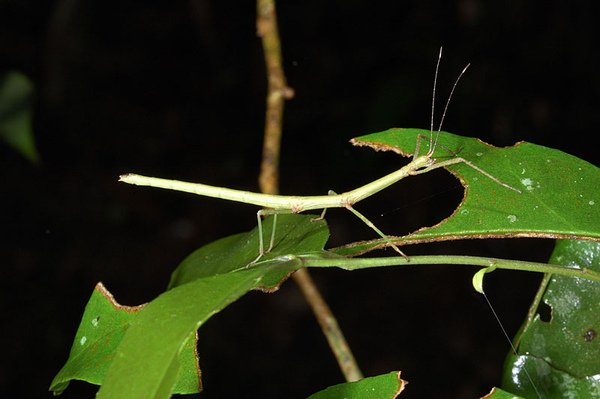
x,y
289,203
292,203
275,204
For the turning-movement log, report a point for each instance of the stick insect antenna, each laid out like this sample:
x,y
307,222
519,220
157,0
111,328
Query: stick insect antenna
x,y
435,76
431,148
432,142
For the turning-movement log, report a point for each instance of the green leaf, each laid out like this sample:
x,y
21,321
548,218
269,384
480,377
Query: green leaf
x,y
559,192
497,393
16,92
147,358
100,332
295,234
385,386
156,343
562,355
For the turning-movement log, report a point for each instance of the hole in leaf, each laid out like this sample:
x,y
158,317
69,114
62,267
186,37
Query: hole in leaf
x,y
545,312
589,335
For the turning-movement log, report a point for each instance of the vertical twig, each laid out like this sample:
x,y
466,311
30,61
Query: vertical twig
x,y
331,329
533,309
278,92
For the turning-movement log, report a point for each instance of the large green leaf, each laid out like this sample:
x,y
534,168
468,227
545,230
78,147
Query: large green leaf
x,y
146,362
562,355
100,332
16,92
385,386
558,199
156,343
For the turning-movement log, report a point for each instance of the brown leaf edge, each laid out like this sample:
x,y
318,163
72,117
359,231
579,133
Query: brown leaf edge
x,y
376,244
402,384
101,288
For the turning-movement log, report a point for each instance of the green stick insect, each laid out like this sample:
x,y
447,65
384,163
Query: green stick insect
x,y
275,204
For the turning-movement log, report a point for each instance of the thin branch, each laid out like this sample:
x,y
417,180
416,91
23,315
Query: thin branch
x,y
278,92
508,264
329,325
533,309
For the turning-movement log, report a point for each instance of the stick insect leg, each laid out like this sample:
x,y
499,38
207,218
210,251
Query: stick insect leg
x,y
322,215
372,226
261,245
273,229
457,160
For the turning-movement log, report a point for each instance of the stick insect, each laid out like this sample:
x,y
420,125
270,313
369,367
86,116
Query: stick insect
x,y
275,204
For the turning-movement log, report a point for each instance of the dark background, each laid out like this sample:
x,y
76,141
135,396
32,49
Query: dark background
x,y
177,89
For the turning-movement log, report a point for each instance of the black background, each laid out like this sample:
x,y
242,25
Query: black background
x,y
177,89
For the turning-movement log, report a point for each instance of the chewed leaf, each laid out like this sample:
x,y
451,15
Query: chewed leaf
x,y
148,354
102,327
558,199
497,393
149,351
205,283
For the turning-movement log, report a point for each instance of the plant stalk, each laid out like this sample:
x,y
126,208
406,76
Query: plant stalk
x,y
508,264
277,93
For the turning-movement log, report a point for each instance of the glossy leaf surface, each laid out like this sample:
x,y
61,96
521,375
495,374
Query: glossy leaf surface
x,y
562,354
